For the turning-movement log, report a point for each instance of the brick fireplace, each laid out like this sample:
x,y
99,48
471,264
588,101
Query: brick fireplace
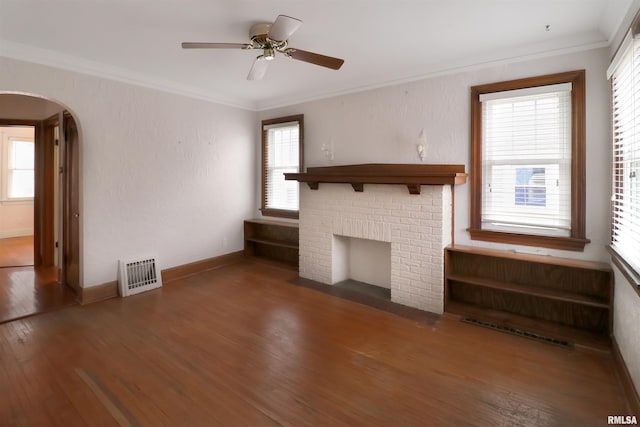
x,y
417,224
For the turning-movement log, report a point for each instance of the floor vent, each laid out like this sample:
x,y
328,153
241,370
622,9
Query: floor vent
x,y
138,275
519,332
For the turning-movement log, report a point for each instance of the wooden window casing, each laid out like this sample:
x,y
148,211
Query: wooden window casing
x,y
265,209
576,239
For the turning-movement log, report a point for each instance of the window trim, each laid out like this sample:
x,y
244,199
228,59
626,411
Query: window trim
x,y
5,171
577,239
280,213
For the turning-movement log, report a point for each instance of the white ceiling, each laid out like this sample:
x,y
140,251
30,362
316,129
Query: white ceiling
x,y
382,41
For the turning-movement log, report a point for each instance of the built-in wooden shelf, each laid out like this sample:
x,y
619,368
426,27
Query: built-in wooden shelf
x,y
272,242
538,293
276,240
411,175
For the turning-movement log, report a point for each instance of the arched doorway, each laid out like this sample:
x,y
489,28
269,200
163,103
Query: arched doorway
x,y
55,273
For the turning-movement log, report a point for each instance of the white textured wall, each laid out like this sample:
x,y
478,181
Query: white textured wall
x,y
160,173
626,316
382,126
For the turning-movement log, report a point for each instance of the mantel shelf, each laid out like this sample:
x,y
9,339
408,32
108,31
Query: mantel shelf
x,y
411,175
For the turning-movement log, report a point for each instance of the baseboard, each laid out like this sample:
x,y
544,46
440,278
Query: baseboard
x,y
192,268
630,392
98,293
110,289
21,232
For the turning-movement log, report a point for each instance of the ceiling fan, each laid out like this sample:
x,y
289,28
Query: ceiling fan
x,y
272,38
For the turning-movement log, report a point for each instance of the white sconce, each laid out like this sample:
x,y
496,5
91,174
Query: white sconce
x,y
327,149
421,145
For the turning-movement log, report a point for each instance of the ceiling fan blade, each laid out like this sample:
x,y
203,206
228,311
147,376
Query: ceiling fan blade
x,y
258,69
316,58
198,45
283,28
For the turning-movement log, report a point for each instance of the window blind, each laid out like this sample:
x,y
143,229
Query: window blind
x,y
625,83
20,177
282,156
526,160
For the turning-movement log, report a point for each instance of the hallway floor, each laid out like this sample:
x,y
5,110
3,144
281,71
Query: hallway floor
x,y
25,291
16,251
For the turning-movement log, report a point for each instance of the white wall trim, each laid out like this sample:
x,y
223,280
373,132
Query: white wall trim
x,y
441,70
19,232
51,58
23,52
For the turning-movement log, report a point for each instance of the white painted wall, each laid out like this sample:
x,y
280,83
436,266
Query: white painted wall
x,y
383,125
626,314
161,173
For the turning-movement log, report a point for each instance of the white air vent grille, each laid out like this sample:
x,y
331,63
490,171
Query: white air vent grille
x,y
139,275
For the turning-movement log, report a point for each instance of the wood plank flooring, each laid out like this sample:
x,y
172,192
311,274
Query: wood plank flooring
x,y
16,251
239,346
27,290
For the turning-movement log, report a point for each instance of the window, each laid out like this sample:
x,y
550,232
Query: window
x,y
17,166
531,187
282,142
624,73
527,166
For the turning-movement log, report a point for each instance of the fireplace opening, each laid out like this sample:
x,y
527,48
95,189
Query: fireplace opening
x,y
362,265
373,291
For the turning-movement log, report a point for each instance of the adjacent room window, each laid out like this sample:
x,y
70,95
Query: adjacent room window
x,y
17,168
624,73
282,149
528,161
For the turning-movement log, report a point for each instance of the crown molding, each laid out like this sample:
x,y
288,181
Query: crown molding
x,y
55,59
437,70
50,58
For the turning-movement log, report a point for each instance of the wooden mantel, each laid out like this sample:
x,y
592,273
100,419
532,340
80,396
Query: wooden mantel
x,y
411,175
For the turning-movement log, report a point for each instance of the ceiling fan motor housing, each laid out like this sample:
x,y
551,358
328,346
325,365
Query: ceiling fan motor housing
x,y
259,32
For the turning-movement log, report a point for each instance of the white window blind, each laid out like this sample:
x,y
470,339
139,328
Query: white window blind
x,y
625,83
526,160
17,168
282,156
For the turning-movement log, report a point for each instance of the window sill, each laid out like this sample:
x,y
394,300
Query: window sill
x,y
279,213
551,242
16,202
632,276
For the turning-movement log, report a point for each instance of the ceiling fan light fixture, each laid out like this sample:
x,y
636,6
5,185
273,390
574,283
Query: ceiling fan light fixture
x,y
269,54
272,38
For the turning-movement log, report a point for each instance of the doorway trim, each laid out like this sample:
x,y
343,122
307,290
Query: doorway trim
x,y
69,270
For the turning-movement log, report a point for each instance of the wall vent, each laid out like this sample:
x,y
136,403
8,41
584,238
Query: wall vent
x,y
139,274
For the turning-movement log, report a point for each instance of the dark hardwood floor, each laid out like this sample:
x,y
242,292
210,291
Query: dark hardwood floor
x,y
25,291
240,346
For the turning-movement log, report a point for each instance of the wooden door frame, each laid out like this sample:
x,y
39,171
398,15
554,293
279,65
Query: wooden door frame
x,y
70,209
69,270
38,169
45,176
